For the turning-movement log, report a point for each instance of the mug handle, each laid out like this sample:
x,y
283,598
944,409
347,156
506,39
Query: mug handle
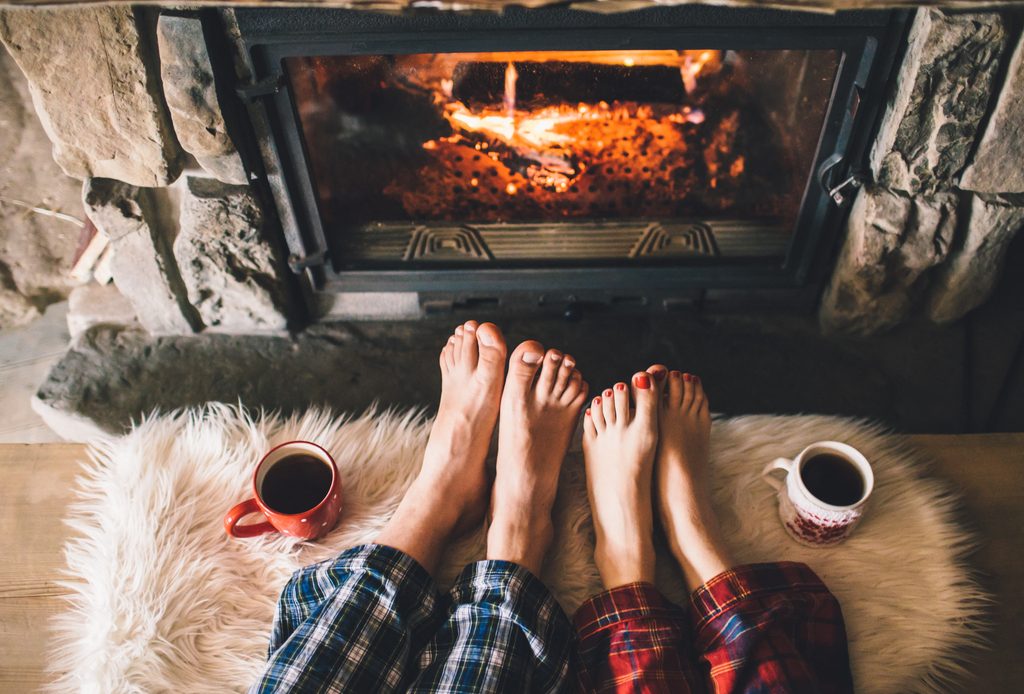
x,y
777,464
238,512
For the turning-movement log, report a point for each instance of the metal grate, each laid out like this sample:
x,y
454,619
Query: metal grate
x,y
405,243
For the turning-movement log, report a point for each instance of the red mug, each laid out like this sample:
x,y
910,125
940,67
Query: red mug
x,y
297,489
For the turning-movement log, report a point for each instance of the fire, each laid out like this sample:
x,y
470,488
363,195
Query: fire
x,y
550,144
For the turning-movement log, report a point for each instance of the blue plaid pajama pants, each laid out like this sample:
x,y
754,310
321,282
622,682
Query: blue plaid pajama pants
x,y
372,620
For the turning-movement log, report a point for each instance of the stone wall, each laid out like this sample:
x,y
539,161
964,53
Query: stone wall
x,y
129,99
929,234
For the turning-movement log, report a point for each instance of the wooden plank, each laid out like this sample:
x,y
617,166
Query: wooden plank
x,y
988,470
38,480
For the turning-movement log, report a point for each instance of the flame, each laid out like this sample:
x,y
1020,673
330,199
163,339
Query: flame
x,y
510,90
548,145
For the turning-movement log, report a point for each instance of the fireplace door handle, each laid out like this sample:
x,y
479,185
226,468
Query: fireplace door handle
x,y
839,192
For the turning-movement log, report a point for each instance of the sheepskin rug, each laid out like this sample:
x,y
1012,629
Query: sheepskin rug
x,y
163,600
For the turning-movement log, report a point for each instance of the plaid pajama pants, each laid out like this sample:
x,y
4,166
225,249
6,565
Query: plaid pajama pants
x,y
372,620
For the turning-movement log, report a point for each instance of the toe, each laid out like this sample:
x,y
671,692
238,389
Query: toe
x,y
645,397
491,345
700,398
581,396
523,365
597,414
456,342
549,372
469,352
622,413
572,388
442,359
589,428
608,406
449,352
688,392
565,375
658,372
675,388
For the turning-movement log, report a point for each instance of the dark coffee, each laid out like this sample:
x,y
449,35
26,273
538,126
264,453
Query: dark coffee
x,y
832,479
296,484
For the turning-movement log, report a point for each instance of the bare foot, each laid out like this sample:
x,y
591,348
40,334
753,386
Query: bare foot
x,y
618,447
682,476
449,495
540,408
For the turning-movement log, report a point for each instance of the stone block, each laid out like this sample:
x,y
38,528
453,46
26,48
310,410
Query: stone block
x,y
998,165
967,278
892,241
95,87
191,94
943,89
98,304
143,265
233,274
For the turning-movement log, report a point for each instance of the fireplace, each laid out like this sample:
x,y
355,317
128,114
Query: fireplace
x,y
635,156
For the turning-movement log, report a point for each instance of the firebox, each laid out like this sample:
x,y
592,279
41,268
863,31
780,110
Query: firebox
x,y
547,153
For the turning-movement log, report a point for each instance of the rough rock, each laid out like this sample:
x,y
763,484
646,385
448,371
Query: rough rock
x,y
892,241
232,272
95,86
998,165
967,278
943,91
36,248
137,222
98,304
191,93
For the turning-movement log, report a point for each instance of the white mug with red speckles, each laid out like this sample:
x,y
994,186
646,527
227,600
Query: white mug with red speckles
x,y
809,519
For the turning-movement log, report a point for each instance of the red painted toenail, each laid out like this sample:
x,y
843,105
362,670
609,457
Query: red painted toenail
x,y
620,386
643,382
587,412
676,374
696,379
659,375
597,401
686,377
608,393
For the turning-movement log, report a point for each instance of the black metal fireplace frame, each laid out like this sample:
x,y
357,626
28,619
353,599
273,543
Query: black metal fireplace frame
x,y
869,43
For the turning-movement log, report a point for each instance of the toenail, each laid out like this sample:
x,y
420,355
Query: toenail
x,y
587,412
696,379
570,363
555,356
676,374
608,392
532,358
486,339
659,375
686,377
620,386
643,382
470,328
597,400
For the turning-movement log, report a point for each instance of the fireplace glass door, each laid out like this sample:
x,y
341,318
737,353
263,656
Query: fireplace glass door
x,y
560,158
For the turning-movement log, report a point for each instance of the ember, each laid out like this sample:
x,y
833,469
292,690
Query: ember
x,y
561,135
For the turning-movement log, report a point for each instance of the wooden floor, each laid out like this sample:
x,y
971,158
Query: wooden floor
x,y
37,484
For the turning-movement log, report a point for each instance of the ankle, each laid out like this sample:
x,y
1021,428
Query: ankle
x,y
621,565
520,538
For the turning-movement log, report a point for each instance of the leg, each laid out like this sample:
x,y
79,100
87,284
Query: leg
x,y
505,632
355,623
630,637
761,627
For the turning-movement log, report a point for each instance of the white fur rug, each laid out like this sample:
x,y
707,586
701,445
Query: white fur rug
x,y
165,601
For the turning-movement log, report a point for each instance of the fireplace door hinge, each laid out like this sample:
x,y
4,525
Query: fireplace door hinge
x,y
268,86
299,263
841,192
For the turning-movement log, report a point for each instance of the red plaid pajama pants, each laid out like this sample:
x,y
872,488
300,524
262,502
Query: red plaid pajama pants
x,y
756,628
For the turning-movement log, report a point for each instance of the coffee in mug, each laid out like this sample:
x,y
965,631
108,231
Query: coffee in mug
x,y
824,492
297,490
